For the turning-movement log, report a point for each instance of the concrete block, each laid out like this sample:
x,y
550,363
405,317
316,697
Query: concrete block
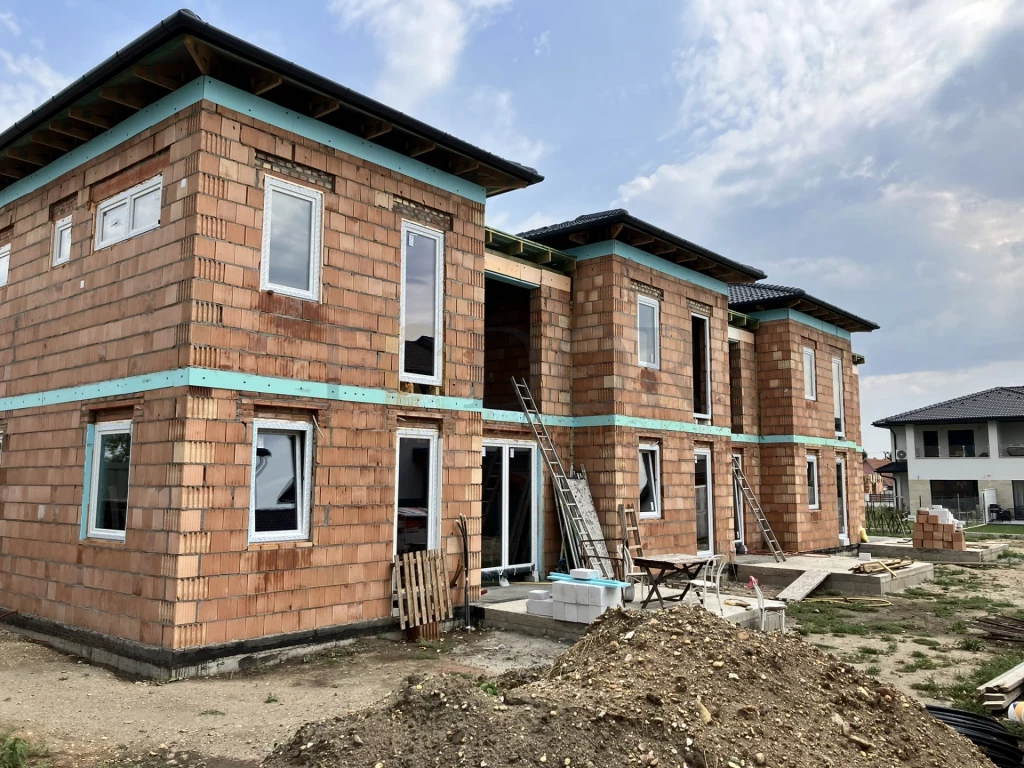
x,y
538,594
612,597
571,612
595,595
558,610
584,574
540,607
558,590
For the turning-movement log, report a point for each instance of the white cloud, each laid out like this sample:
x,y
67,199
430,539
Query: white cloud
x,y
492,109
421,41
829,270
27,82
775,88
8,20
890,394
542,44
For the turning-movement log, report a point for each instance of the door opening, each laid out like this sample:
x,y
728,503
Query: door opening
x,y
737,502
705,505
844,529
508,508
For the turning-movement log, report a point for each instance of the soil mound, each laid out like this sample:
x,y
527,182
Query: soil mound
x,y
674,688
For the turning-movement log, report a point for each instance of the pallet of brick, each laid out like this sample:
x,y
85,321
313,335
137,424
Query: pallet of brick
x,y
936,528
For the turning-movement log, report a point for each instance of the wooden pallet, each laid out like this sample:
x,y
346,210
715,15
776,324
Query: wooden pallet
x,y
423,594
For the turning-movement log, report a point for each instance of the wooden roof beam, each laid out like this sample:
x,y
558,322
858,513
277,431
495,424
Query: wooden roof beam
x,y
76,130
320,106
638,240
461,166
579,237
614,230
101,117
12,173
417,148
30,156
54,141
127,96
373,129
166,76
262,81
663,249
205,58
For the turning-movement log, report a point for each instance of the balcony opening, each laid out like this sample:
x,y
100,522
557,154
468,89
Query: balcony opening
x,y
507,346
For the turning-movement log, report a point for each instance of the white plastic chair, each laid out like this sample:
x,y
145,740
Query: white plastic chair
x,y
766,609
714,569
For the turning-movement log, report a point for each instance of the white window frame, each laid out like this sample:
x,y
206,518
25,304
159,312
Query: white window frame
x,y
706,452
99,429
5,260
738,502
707,362
305,479
316,198
810,375
408,228
647,301
434,498
59,227
838,406
507,447
812,460
129,196
656,450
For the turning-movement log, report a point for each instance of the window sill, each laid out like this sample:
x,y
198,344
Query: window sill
x,y
95,538
281,544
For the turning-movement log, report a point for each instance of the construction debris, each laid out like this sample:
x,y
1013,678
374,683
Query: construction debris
x,y
679,687
1000,692
1002,627
882,566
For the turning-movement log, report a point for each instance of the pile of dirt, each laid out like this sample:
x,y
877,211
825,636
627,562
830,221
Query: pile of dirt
x,y
673,688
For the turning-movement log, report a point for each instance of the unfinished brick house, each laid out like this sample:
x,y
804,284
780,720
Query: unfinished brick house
x,y
257,339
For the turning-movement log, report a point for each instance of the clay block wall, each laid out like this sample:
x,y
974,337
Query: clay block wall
x,y
551,356
611,455
128,589
105,314
784,409
605,366
744,397
350,336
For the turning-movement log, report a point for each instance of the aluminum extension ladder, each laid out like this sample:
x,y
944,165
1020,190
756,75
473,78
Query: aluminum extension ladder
x,y
581,548
762,521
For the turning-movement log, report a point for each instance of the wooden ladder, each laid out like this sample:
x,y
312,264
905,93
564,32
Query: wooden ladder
x,y
632,544
762,522
582,548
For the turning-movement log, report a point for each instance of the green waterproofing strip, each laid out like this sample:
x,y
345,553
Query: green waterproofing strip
x,y
233,380
246,103
799,317
90,438
626,251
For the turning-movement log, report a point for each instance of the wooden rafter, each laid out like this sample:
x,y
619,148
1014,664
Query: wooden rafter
x,y
74,129
203,55
663,249
54,140
461,166
614,230
262,81
514,248
579,237
127,95
322,105
12,173
638,240
417,148
372,129
98,116
29,155
165,75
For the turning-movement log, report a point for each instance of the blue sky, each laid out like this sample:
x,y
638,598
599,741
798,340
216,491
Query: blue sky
x,y
868,151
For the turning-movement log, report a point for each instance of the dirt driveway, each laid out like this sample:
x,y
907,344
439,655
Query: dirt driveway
x,y
87,716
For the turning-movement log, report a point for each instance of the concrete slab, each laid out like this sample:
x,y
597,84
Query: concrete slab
x,y
975,552
511,614
840,579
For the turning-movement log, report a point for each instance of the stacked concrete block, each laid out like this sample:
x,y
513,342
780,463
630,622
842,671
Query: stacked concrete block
x,y
575,601
936,528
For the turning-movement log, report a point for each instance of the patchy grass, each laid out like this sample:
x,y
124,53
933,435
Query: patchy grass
x,y
271,699
961,688
927,642
972,644
996,528
212,712
874,670
16,752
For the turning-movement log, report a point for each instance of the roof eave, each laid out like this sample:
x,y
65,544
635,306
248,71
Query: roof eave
x,y
829,313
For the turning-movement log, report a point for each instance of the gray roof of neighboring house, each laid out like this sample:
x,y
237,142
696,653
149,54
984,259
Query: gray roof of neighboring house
x,y
168,50
892,468
754,297
996,404
619,224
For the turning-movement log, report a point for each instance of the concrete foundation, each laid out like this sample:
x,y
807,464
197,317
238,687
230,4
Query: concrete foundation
x,y
840,578
975,553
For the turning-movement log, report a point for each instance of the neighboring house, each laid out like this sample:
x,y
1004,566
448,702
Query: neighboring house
x,y
257,338
951,452
874,483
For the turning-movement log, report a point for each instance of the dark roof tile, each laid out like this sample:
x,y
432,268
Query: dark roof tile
x,y
998,403
754,297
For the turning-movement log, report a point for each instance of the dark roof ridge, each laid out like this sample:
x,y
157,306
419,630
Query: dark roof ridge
x,y
908,416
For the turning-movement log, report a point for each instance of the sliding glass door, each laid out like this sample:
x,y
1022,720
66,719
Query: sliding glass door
x,y
705,504
508,506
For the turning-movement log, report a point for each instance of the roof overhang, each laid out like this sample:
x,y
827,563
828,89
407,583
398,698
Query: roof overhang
x,y
180,49
527,250
809,305
621,226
